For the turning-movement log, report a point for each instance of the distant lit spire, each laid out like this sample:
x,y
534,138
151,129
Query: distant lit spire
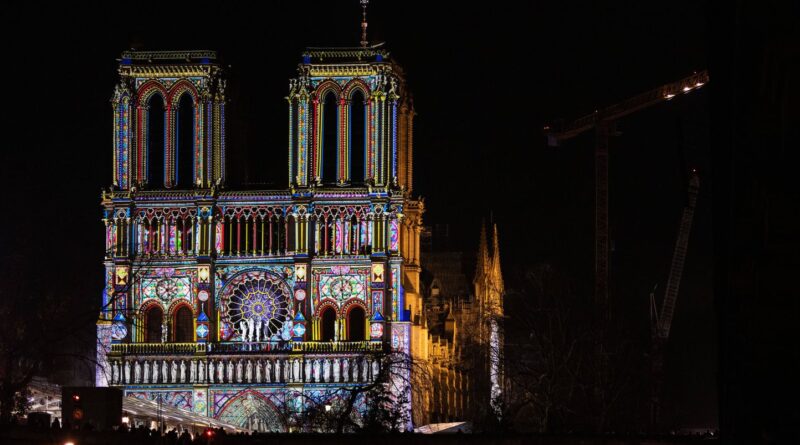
x,y
364,4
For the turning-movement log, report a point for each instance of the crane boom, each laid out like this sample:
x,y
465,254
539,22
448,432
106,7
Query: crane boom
x,y
678,259
627,106
603,123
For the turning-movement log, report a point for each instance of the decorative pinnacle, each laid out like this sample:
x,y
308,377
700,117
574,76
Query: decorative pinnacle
x,y
364,4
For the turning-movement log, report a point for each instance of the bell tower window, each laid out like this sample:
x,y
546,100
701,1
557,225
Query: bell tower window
x,y
155,141
185,142
330,134
357,138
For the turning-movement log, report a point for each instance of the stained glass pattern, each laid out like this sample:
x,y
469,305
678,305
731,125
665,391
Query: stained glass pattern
x,y
264,300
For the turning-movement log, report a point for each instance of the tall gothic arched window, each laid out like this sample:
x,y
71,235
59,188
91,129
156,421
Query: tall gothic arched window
x,y
156,138
330,135
356,324
358,139
184,142
328,330
153,320
183,325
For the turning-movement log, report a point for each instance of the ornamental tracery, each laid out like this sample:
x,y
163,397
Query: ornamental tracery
x,y
257,307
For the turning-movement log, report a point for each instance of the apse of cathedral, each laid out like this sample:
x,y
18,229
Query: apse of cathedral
x,y
240,304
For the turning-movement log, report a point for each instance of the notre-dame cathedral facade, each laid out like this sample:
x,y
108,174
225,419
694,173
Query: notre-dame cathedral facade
x,y
243,305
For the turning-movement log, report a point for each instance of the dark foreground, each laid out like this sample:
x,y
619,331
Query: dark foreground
x,y
21,435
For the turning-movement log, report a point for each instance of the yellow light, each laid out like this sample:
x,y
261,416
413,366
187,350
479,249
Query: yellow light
x,y
685,89
202,273
126,419
69,443
669,96
300,272
377,273
122,275
698,84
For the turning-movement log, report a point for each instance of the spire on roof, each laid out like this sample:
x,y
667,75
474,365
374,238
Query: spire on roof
x,y
482,267
496,272
364,4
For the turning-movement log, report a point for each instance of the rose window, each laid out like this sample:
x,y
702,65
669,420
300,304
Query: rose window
x,y
264,301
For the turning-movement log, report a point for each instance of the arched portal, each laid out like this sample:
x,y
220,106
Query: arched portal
x,y
328,324
183,325
355,324
252,412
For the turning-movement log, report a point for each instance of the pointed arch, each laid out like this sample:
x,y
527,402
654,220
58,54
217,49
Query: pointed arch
x,y
149,88
247,405
180,88
325,87
182,320
354,85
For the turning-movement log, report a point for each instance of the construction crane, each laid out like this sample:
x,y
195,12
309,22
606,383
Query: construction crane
x,y
602,121
661,321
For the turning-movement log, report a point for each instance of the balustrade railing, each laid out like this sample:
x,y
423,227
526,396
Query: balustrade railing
x,y
242,369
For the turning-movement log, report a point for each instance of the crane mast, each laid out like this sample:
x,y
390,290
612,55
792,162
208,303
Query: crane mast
x,y
664,318
602,121
661,321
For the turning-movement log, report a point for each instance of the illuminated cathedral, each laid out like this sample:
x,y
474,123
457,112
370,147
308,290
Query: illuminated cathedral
x,y
229,302
243,304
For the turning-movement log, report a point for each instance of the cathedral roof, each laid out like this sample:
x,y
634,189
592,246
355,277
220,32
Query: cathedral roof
x,y
186,56
374,53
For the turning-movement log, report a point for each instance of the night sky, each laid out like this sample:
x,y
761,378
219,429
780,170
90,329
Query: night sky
x,y
485,80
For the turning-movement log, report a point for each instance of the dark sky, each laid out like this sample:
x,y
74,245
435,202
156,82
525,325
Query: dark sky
x,y
485,79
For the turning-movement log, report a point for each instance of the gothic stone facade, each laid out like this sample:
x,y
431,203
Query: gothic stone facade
x,y
241,304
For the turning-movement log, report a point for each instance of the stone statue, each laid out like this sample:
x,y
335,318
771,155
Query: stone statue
x,y
315,367
326,370
285,369
250,328
258,330
376,368
243,328
307,375
258,371
114,373
183,371
137,372
248,372
127,372
239,371
336,330
230,371
355,371
296,369
220,371
192,371
201,372
364,369
173,371
164,376
155,371
345,369
211,371
336,370
146,371
164,333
